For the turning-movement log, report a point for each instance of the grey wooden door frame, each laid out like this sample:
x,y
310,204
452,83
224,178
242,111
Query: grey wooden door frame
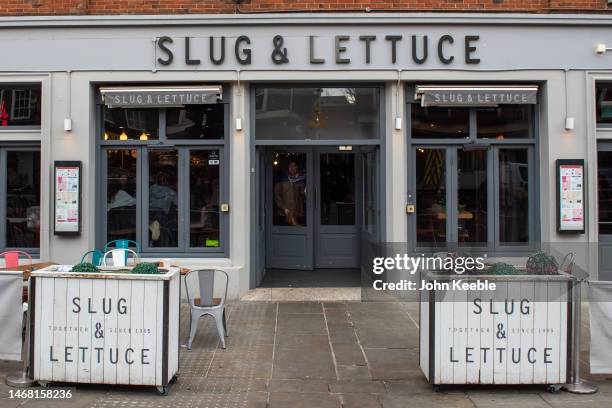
x,y
314,256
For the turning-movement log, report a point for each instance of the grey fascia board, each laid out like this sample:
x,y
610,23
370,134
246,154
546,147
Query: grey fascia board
x,y
288,19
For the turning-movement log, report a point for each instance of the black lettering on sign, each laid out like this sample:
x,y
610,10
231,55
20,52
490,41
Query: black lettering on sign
x,y
313,59
393,39
443,58
121,306
188,59
217,61
471,49
340,49
161,43
415,57
244,57
76,301
367,39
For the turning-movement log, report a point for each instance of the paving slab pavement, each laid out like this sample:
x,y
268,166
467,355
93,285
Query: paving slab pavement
x,y
314,355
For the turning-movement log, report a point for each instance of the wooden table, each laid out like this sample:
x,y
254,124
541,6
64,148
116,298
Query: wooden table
x,y
27,268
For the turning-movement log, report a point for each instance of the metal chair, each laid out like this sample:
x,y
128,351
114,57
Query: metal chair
x,y
204,303
120,257
95,255
122,244
567,264
11,258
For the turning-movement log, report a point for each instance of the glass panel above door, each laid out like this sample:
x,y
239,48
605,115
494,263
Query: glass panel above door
x,y
337,184
440,122
196,122
289,188
505,122
130,124
301,113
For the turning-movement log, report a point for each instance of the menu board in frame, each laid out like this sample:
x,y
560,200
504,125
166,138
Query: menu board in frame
x,y
570,196
67,182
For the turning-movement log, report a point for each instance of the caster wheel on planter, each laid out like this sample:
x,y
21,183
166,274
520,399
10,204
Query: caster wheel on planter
x,y
174,379
163,391
44,384
437,388
554,388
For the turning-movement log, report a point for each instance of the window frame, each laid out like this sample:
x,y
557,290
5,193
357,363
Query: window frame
x,y
183,147
492,146
17,147
23,85
600,125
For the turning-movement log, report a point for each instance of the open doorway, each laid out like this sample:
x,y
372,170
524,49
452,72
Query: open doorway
x,y
316,205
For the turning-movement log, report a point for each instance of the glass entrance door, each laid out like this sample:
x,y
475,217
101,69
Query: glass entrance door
x,y
289,229
311,209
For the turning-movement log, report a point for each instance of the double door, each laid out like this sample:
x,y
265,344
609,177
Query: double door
x,y
311,208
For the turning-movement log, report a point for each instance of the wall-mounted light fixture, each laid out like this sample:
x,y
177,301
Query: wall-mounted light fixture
x,y
600,49
68,118
569,123
238,121
398,115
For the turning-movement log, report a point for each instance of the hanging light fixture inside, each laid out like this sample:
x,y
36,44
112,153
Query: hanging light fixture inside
x,y
318,120
143,136
123,135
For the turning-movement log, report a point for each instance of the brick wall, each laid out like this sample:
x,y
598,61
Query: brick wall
x,y
98,7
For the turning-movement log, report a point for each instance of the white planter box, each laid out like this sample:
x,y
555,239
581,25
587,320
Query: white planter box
x,y
517,334
105,328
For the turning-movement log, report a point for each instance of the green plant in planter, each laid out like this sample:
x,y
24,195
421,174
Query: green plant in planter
x,y
541,263
145,268
502,268
85,267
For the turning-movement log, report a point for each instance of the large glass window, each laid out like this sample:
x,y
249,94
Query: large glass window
x,y
204,201
20,106
20,174
474,191
122,196
472,200
430,196
167,195
301,113
514,195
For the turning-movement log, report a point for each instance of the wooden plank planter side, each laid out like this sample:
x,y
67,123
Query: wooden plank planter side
x,y
98,328
517,334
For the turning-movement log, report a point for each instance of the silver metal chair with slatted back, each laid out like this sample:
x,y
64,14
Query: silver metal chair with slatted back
x,y
202,301
567,264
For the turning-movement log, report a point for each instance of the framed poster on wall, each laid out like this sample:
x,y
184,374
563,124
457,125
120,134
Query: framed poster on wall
x,y
570,196
67,213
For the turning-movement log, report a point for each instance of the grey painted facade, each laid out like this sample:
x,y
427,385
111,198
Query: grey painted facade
x,y
70,56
